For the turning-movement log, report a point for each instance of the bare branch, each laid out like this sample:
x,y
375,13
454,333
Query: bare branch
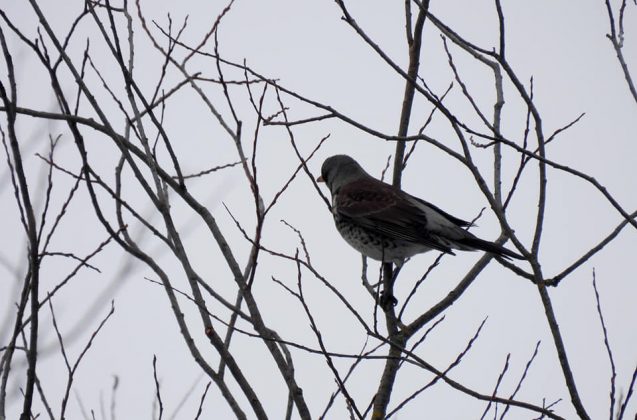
x,y
613,372
157,393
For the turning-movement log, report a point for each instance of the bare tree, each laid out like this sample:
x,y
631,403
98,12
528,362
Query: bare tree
x,y
120,185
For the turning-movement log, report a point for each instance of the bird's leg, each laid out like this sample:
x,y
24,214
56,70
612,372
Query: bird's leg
x,y
387,298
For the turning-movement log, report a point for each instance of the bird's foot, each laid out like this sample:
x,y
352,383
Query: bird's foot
x,y
387,300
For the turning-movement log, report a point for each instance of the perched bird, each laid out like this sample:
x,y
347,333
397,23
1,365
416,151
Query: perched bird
x,y
387,224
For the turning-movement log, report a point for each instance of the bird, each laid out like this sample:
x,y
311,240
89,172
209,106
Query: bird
x,y
387,224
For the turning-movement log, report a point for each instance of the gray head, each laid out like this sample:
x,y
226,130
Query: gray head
x,y
339,170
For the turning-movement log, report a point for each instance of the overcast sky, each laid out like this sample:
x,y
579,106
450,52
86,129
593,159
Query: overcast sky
x,y
309,49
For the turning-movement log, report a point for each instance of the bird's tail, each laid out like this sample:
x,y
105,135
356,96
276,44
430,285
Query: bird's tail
x,y
477,243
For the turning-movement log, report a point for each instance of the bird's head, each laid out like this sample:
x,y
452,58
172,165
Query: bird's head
x,y
339,170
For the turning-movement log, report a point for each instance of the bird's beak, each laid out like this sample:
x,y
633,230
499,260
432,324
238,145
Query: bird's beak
x,y
320,179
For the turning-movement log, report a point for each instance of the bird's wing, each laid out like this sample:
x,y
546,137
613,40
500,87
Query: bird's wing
x,y
456,221
391,212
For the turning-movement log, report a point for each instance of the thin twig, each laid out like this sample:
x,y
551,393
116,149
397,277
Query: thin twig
x,y
613,371
157,393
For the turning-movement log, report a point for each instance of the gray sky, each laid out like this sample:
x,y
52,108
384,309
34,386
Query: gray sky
x,y
309,49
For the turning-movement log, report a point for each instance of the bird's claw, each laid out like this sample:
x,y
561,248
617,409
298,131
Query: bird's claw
x,y
387,300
